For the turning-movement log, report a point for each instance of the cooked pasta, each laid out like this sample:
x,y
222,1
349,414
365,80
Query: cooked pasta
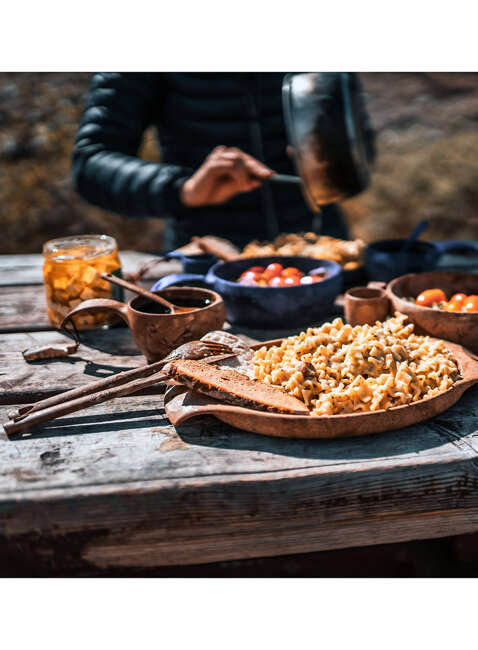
x,y
337,368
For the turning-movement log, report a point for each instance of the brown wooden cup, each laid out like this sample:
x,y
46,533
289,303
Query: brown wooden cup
x,y
156,335
366,305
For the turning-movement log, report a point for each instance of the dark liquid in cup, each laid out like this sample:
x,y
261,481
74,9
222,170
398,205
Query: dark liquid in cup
x,y
150,307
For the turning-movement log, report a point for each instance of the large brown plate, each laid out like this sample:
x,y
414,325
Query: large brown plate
x,y
182,404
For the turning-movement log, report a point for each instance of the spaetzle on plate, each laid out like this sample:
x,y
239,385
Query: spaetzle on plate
x,y
337,368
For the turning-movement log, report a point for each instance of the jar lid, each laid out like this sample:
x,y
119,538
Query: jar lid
x,y
78,247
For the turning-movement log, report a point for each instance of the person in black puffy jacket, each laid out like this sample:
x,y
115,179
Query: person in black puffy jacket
x,y
220,135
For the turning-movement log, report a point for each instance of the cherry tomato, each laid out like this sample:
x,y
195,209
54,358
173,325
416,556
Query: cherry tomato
x,y
458,297
291,272
276,282
471,304
291,281
280,281
456,302
250,278
248,282
272,270
430,297
256,269
311,279
250,274
452,306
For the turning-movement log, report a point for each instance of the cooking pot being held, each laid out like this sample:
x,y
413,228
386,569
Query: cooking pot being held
x,y
329,135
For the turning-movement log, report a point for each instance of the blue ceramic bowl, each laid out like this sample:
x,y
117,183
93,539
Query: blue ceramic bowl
x,y
384,260
267,307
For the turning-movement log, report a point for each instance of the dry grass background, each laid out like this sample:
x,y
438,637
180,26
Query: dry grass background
x,y
427,165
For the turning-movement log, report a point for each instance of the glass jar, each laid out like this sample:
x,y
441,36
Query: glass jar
x,y
72,273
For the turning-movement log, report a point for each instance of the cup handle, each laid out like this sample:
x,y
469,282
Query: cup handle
x,y
99,304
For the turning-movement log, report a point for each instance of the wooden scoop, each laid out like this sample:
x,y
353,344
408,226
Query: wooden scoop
x,y
146,294
222,248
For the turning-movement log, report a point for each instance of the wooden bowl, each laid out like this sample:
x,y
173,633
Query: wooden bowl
x,y
458,327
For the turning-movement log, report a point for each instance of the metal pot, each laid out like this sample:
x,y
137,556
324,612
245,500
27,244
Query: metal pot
x,y
329,135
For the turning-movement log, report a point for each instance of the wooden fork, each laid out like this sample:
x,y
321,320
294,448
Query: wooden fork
x,y
122,384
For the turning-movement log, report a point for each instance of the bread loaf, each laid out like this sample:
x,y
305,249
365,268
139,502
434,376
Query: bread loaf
x,y
233,387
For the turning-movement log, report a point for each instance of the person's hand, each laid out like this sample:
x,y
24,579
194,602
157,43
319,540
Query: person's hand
x,y
227,171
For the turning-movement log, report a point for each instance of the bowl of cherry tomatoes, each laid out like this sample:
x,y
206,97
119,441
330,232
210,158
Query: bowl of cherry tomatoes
x,y
269,292
278,275
459,302
441,304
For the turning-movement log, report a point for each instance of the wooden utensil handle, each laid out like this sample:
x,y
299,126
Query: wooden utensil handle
x,y
138,290
71,406
93,387
80,403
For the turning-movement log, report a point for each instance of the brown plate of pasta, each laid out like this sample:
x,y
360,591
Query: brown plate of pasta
x,y
353,380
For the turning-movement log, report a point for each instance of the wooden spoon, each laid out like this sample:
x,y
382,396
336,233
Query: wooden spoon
x,y
146,294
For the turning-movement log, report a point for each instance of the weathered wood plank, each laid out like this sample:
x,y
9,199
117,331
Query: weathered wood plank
x,y
141,494
134,441
187,521
131,440
27,269
23,308
101,353
149,548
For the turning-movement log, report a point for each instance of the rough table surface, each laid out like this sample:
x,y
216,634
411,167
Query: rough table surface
x,y
117,486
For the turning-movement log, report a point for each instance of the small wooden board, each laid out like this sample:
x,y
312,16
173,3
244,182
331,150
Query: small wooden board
x,y
181,405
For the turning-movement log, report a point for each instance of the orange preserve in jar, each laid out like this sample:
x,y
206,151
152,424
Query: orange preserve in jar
x,y
72,273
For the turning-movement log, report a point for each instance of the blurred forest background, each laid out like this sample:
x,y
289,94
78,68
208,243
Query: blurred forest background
x,y
427,164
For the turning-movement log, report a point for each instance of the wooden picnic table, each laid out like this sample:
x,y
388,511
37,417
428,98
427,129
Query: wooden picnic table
x,y
117,487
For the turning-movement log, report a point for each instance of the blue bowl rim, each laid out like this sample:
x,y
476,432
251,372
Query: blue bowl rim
x,y
336,271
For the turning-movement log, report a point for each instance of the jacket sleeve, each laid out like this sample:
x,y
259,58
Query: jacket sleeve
x,y
106,169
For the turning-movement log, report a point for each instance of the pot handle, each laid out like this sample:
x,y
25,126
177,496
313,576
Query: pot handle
x,y
455,246
99,304
178,279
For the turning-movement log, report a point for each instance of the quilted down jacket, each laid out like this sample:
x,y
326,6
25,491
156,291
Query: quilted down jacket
x,y
192,113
